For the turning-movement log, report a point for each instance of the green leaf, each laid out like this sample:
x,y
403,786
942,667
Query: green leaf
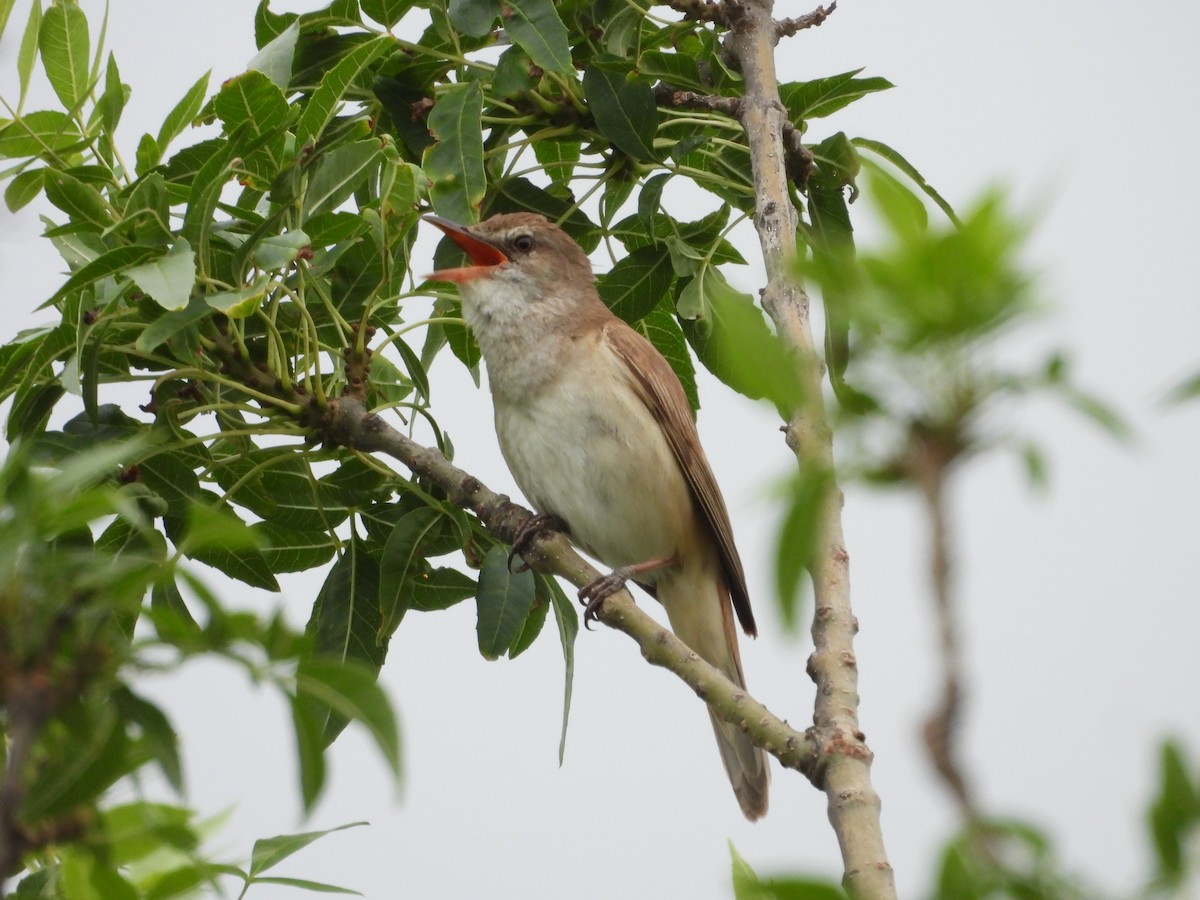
x,y
349,689
253,100
1175,813
23,188
158,736
1186,390
339,175
183,114
288,550
168,279
133,831
504,600
624,108
402,553
79,200
107,264
533,623
279,250
748,886
637,283
203,196
474,18
325,99
798,540
386,12
439,589
568,629
44,131
171,476
534,26
1099,412
240,303
270,852
308,724
27,53
216,527
116,94
558,158
416,371
269,25
64,45
823,96
304,884
513,75
170,324
277,56
732,339
344,624
454,164
31,410
6,8
678,70
893,156
99,755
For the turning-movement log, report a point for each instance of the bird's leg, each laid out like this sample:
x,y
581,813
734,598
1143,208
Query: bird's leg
x,y
534,525
593,595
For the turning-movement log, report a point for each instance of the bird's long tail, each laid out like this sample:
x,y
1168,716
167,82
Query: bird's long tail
x,y
705,623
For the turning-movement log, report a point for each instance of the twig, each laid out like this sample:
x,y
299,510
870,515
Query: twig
x,y
698,10
349,423
853,803
928,461
799,157
789,27
28,703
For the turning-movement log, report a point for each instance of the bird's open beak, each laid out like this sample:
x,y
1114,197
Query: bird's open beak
x,y
485,256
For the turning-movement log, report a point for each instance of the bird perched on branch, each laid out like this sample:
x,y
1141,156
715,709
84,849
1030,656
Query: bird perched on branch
x,y
598,433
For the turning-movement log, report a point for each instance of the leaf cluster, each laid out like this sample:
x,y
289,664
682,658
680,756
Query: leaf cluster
x,y
249,260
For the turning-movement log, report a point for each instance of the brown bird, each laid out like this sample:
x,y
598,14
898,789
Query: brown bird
x,y
598,432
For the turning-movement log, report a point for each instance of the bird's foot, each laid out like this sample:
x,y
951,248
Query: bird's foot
x,y
533,526
593,594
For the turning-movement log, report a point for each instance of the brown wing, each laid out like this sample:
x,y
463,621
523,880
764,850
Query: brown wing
x,y
659,388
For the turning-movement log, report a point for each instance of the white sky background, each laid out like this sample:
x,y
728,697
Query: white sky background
x,y
1079,623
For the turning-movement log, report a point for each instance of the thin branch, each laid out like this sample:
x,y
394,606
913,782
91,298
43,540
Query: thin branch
x,y
699,10
789,27
853,803
350,424
668,96
929,459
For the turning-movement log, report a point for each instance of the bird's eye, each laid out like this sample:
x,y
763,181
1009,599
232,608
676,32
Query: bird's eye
x,y
524,243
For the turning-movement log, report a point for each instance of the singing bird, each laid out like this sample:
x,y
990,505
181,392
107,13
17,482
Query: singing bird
x,y
598,433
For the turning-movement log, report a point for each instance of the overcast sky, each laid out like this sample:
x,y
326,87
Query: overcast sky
x,y
1081,605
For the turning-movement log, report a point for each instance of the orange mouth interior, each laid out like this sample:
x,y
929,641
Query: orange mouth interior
x,y
485,257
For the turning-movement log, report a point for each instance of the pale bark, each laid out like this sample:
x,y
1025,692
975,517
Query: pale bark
x,y
854,806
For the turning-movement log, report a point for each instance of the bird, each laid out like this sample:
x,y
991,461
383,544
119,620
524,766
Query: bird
x,y
598,433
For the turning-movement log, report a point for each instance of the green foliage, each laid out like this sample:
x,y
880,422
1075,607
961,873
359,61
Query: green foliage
x,y
1173,819
918,383
250,278
748,886
1004,859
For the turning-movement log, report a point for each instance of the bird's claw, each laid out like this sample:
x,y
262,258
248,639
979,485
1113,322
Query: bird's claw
x,y
593,594
527,532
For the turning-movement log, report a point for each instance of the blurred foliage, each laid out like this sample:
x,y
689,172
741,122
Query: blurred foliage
x,y
1009,860
917,330
249,259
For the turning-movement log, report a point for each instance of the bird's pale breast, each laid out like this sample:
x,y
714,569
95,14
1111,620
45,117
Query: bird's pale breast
x,y
586,449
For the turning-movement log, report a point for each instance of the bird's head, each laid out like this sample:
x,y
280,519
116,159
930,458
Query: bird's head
x,y
523,250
